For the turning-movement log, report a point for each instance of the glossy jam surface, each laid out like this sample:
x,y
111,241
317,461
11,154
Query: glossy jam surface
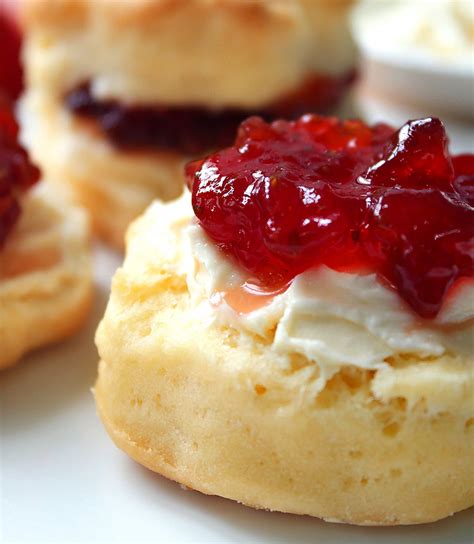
x,y
16,172
289,196
11,75
194,130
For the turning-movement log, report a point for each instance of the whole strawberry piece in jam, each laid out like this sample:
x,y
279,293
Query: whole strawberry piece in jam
x,y
11,74
421,242
16,172
291,196
416,156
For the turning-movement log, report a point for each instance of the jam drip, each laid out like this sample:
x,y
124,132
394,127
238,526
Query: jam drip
x,y
289,196
194,130
16,172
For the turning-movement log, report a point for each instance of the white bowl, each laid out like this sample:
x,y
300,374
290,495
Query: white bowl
x,y
405,73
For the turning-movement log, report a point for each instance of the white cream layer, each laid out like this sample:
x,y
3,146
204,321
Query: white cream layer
x,y
334,319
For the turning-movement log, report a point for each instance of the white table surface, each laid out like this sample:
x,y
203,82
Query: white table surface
x,y
62,479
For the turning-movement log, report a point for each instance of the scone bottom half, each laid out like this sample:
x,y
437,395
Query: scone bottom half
x,y
45,268
206,393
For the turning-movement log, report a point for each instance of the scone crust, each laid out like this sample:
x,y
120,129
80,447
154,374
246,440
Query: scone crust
x,y
48,302
203,46
197,404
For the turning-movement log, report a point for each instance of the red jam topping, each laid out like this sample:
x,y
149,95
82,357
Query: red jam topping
x,y
16,172
195,130
11,76
289,196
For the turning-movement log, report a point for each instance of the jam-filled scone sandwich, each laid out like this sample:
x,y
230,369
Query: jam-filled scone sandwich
x,y
303,341
45,268
127,90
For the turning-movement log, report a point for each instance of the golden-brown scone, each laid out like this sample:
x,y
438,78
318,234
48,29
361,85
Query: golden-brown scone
x,y
215,408
212,54
45,275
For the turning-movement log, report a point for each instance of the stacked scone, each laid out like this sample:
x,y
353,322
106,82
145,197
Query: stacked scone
x,y
302,342
124,92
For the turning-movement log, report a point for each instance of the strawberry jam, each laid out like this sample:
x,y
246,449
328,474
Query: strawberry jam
x,y
11,75
192,129
289,196
16,172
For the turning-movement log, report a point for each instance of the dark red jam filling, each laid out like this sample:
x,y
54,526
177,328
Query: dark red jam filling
x,y
16,172
194,130
11,75
289,196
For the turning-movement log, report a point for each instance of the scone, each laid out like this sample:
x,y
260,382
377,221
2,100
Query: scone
x,y
45,265
125,91
303,343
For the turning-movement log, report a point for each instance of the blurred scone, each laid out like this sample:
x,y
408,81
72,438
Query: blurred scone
x,y
122,92
45,275
45,264
221,408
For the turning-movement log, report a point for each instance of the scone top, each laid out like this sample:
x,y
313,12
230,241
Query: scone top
x,y
290,196
207,53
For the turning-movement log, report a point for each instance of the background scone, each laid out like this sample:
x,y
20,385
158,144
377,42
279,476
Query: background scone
x,y
45,262
124,91
294,345
45,275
